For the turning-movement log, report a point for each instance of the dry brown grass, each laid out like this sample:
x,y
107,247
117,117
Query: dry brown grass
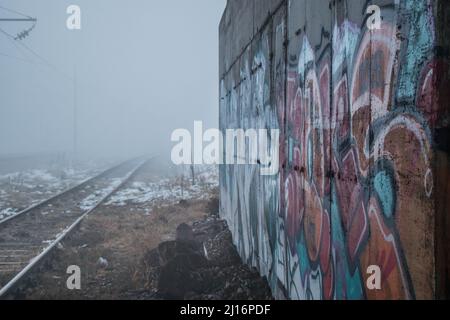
x,y
121,235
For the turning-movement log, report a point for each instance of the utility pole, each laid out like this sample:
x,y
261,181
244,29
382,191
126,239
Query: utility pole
x,y
18,19
75,122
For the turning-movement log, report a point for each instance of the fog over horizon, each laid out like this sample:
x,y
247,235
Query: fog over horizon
x,y
143,69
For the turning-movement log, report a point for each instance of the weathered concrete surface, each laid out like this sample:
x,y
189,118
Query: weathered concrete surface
x,y
364,145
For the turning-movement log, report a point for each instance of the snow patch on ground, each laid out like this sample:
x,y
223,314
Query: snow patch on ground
x,y
92,200
20,190
44,179
8,212
168,191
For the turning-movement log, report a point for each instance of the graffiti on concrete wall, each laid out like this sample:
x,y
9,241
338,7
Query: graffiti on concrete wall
x,y
248,198
356,185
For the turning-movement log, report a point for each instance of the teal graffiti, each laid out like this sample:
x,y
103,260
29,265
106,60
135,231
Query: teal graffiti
x,y
347,285
384,186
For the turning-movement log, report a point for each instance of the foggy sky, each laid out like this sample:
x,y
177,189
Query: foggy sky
x,y
143,69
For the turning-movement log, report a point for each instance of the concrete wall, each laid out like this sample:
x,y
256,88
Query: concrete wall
x,y
364,145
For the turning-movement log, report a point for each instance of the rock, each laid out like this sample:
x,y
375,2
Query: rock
x,y
220,250
151,258
213,206
207,229
102,263
204,264
170,249
184,233
180,275
183,203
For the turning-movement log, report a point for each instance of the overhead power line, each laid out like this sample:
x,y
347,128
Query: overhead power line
x,y
17,19
17,58
15,12
21,45
34,53
25,18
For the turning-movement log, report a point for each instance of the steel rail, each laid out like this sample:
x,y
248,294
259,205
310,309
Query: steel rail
x,y
34,261
64,192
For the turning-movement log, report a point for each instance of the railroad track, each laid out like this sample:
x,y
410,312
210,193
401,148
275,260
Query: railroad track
x,y
28,237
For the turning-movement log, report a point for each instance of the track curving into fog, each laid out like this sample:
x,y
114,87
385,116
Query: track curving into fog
x,y
26,238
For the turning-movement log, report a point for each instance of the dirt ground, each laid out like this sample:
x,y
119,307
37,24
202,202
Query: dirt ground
x,y
121,236
118,251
